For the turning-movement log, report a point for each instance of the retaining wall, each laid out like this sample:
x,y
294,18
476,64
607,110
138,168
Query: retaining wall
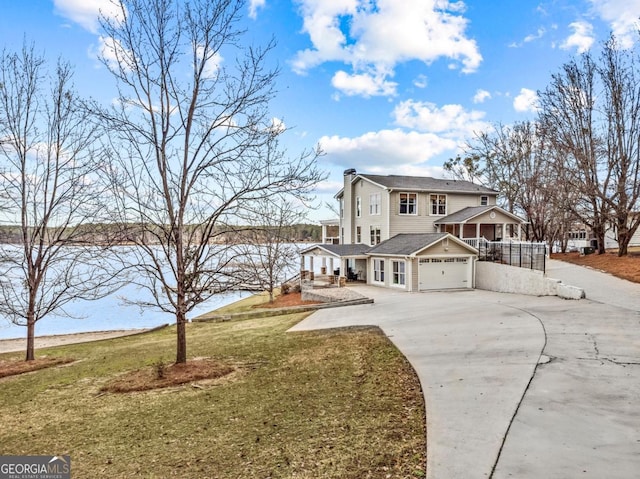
x,y
511,279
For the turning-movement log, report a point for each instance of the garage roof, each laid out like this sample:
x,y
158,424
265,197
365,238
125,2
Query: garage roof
x,y
407,244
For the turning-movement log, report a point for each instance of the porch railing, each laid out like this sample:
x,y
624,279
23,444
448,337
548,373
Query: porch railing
x,y
514,253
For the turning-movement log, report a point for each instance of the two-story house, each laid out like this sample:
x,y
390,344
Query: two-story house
x,y
414,233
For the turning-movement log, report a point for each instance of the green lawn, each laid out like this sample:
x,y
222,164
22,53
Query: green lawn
x,y
306,405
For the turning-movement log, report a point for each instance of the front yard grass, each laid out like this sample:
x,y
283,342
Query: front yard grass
x,y
333,404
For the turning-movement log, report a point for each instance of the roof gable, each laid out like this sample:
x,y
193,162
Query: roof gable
x,y
410,244
471,212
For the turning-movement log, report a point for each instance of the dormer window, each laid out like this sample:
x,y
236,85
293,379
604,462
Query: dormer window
x,y
408,203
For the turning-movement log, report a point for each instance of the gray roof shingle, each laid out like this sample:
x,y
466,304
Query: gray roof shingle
x,y
406,243
346,249
424,183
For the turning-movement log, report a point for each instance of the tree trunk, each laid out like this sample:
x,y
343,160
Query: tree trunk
x,y
31,330
181,346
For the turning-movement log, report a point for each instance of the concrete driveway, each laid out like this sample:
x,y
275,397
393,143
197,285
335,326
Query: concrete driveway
x,y
515,386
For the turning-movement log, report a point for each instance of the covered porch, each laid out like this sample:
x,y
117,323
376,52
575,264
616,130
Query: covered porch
x,y
489,222
330,262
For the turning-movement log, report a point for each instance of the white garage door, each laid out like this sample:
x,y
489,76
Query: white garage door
x,y
444,273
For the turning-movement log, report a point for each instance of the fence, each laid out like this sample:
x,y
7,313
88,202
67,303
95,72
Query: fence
x,y
523,255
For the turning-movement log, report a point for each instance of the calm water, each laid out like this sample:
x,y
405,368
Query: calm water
x,y
108,314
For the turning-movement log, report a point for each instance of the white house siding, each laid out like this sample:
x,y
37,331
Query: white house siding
x,y
364,189
423,222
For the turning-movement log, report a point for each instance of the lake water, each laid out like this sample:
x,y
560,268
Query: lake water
x,y
109,314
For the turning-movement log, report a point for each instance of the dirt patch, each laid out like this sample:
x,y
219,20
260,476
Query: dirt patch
x,y
161,375
13,367
625,267
286,301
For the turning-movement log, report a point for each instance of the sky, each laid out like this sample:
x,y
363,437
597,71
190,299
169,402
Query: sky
x,y
383,86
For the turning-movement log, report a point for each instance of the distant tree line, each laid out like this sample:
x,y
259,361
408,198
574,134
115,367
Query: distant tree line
x,y
106,233
578,162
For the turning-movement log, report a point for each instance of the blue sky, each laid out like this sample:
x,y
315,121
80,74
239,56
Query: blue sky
x,y
385,86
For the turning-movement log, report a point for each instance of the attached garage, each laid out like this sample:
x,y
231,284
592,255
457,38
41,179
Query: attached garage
x,y
422,262
444,273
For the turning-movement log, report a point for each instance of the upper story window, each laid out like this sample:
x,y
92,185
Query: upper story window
x,y
375,235
374,204
358,207
358,234
438,205
408,203
341,208
484,200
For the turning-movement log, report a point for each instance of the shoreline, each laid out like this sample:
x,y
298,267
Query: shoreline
x,y
20,344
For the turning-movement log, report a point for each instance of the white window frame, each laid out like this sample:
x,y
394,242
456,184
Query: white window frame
x,y
358,207
374,204
408,204
378,270
358,234
484,200
398,274
438,197
375,235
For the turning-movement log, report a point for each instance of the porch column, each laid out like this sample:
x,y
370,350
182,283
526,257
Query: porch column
x,y
461,226
311,263
519,232
503,231
302,263
477,230
324,234
331,265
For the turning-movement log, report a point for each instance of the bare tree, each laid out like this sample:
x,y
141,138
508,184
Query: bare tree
x,y
591,118
189,134
621,87
513,160
49,189
266,248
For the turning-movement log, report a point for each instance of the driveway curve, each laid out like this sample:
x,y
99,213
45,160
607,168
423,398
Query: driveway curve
x,y
474,354
519,386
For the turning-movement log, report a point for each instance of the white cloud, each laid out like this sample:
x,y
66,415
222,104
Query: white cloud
x,y
212,62
378,35
529,38
86,12
421,81
452,121
535,36
622,15
481,96
384,149
526,101
111,51
435,132
581,39
254,5
364,84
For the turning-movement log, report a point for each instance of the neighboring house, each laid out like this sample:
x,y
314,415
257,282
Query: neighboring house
x,y
413,233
